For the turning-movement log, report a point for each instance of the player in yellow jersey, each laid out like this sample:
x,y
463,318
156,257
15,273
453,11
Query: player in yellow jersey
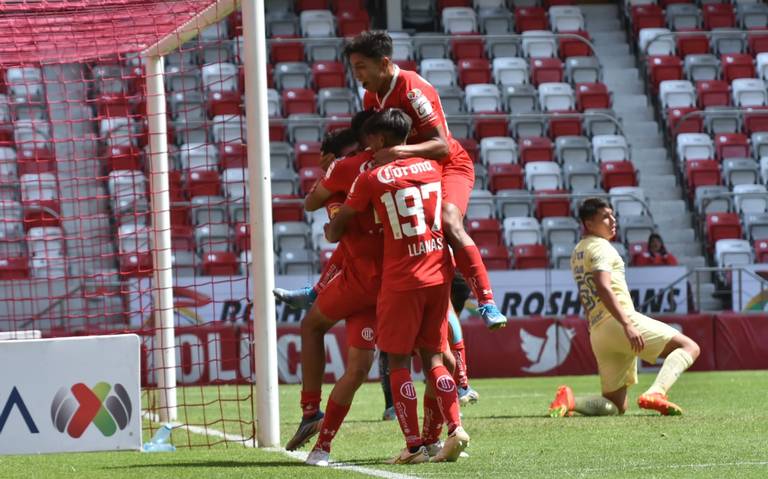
x,y
618,333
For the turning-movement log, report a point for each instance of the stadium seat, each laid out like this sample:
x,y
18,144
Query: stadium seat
x,y
560,255
336,101
609,148
317,23
521,230
571,46
564,229
352,22
618,173
502,47
482,97
627,200
756,226
582,69
713,93
452,99
694,146
750,198
721,226
717,15
737,65
549,203
727,40
484,232
510,71
719,120
285,48
681,16
427,45
495,21
573,149
684,120
539,44
692,43
520,98
219,263
701,172
535,149
328,74
581,177
304,127
566,19
298,262
292,75
761,251
458,20
281,23
530,18
635,228
752,15
513,202
712,199
556,96
759,142
757,40
734,145
466,47
664,68
299,100
546,70
733,253
203,183
481,205
701,67
292,235
530,256
495,257
653,42
677,94
498,150
740,171
459,126
542,175
749,92
402,46
592,95
439,72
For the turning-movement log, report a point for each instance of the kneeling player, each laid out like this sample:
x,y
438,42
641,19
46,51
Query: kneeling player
x,y
416,274
618,333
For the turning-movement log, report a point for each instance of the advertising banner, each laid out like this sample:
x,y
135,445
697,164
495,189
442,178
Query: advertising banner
x,y
749,292
70,394
741,341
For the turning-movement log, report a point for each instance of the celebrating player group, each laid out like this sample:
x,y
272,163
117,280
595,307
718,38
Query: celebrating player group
x,y
396,188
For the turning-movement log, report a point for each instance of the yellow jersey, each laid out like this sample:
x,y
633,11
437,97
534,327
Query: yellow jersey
x,y
596,254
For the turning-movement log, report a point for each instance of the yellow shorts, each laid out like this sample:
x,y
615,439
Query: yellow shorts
x,y
616,362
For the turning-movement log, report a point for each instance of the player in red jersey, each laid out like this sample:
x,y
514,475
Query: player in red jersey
x,y
387,86
358,278
416,279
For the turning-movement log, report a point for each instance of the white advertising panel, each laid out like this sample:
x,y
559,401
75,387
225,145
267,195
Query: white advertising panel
x,y
750,293
70,394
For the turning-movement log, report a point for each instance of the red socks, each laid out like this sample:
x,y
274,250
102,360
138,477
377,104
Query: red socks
x,y
334,417
310,403
460,373
470,263
447,397
433,421
406,405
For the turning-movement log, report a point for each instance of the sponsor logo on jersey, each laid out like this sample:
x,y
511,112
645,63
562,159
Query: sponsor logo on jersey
x,y
420,103
390,173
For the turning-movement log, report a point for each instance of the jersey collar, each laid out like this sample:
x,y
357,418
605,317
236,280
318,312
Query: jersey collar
x,y
391,87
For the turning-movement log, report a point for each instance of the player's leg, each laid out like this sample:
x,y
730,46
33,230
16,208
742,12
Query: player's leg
x,y
303,298
360,355
467,395
679,351
432,422
457,187
398,316
389,408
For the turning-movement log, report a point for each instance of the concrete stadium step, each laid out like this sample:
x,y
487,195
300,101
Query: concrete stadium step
x,y
646,141
629,103
668,208
682,249
652,168
640,129
602,38
603,25
665,190
692,262
626,86
615,49
649,155
618,61
680,235
601,10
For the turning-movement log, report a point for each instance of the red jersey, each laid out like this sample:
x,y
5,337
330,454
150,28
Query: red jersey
x,y
363,238
406,195
420,101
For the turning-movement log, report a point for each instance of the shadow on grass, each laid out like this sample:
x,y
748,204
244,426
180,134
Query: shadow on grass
x,y
222,464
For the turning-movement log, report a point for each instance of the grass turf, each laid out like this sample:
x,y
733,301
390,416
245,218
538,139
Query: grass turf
x,y
722,434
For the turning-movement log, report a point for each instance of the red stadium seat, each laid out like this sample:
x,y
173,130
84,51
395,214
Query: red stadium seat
x,y
535,148
270,77
441,4
561,124
235,23
692,44
637,253
731,145
301,5
713,93
219,263
31,159
337,122
471,147
299,100
328,74
282,49
287,208
676,123
474,70
755,119
554,3
224,103
592,95
761,251
277,130
530,256
495,257
573,47
701,173
325,257
485,127
546,205
353,22
123,157
505,177
618,173
722,226
718,15
136,264
308,177
544,70
485,232
306,154
182,238
176,186
203,183
14,268
113,104
467,46
233,155
646,16
662,68
243,235
530,18
737,65
347,5
410,65
757,40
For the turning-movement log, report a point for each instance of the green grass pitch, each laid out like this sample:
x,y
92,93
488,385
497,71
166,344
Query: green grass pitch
x,y
724,433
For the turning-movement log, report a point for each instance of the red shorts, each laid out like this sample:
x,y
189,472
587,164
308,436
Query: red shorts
x,y
348,297
413,319
458,178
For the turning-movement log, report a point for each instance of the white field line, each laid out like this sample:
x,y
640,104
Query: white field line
x,y
673,466
298,455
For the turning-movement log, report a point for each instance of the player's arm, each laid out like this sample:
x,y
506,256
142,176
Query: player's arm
x,y
338,224
317,197
435,148
603,288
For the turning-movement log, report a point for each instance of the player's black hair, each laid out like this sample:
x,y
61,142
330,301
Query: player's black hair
x,y
375,44
337,141
393,123
359,120
590,207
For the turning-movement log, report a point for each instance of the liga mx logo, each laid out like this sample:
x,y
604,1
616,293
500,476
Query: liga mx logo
x,y
74,409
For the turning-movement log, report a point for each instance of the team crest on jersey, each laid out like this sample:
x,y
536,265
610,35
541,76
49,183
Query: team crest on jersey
x,y
367,334
420,103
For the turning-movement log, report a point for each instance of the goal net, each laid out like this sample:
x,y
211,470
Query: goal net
x,y
84,237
